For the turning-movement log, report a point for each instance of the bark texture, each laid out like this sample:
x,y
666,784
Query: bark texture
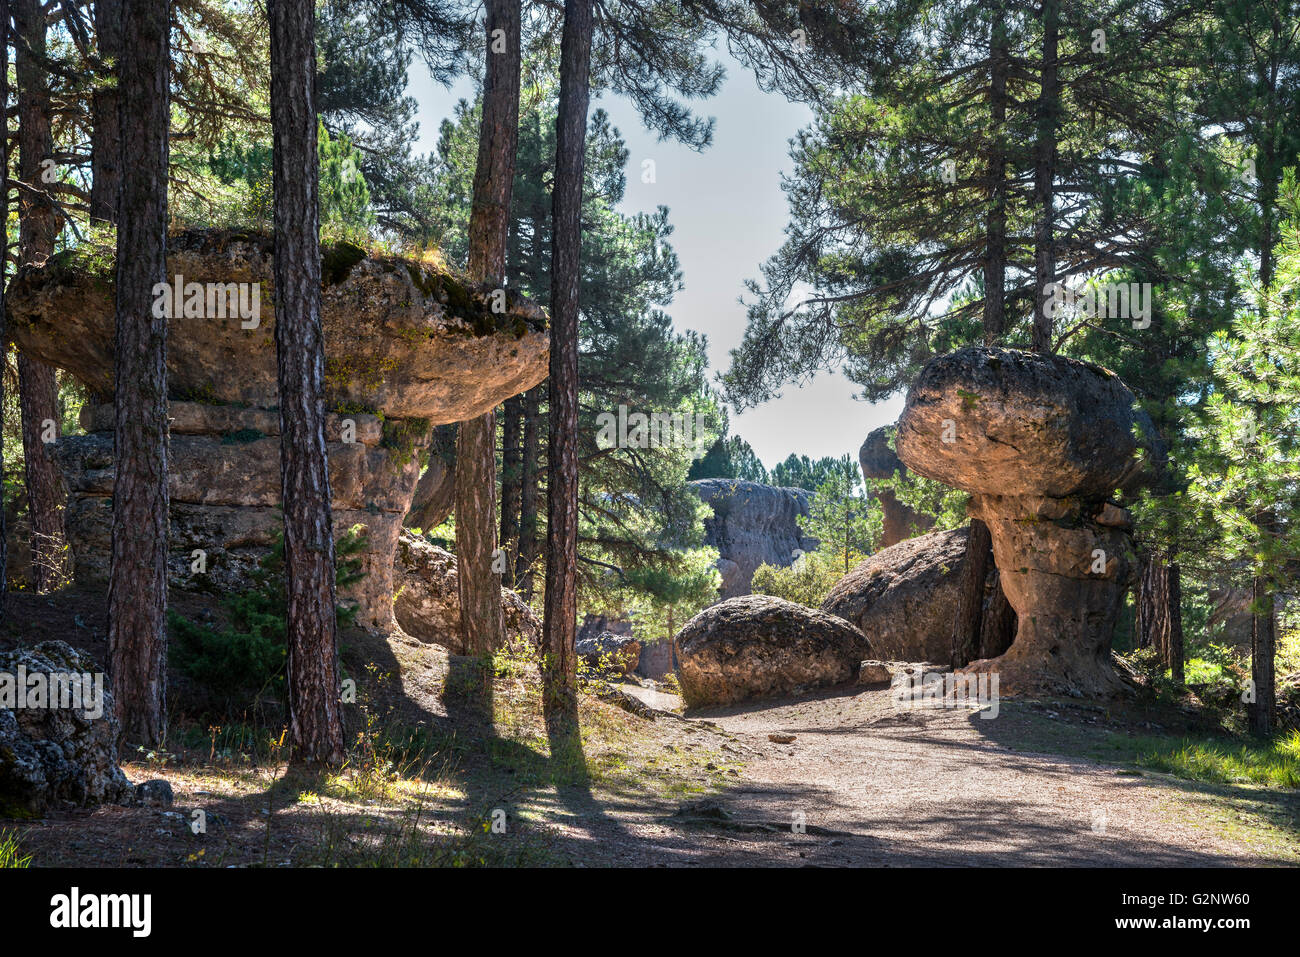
x,y
530,490
995,260
137,591
489,234
38,228
315,725
511,466
561,608
1044,175
4,282
105,130
968,615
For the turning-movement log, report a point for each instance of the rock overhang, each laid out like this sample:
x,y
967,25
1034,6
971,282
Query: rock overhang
x,y
403,338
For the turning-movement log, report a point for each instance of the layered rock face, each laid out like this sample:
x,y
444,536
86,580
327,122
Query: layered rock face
x,y
752,525
50,754
407,347
757,646
224,485
879,461
427,599
1041,443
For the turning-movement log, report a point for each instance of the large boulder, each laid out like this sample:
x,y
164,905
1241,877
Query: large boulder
x,y
1004,422
1041,442
50,753
758,646
426,599
618,653
879,461
902,598
404,338
752,525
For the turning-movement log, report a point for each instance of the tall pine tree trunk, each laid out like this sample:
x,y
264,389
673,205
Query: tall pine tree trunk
x,y
137,590
481,617
995,261
530,490
1048,109
561,608
105,133
1175,642
511,479
38,388
968,617
4,284
1263,644
315,721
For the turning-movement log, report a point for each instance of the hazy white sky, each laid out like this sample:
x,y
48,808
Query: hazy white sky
x,y
729,212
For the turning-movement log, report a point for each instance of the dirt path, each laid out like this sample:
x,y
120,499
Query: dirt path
x,y
876,785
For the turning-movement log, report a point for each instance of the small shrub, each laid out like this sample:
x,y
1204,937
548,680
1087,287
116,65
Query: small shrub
x,y
239,662
806,582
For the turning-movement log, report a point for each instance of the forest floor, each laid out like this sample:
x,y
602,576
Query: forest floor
x,y
432,781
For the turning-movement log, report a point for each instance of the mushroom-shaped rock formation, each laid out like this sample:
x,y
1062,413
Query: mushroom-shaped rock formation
x,y
403,338
407,346
1041,443
879,461
758,646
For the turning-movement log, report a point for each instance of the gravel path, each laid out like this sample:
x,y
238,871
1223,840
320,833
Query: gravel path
x,y
877,785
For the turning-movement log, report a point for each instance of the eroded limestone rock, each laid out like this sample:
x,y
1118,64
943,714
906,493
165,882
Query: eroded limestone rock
x,y
619,653
879,461
752,525
902,598
758,646
1041,442
50,754
404,338
426,602
224,486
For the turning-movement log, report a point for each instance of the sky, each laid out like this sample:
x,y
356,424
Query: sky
x,y
728,213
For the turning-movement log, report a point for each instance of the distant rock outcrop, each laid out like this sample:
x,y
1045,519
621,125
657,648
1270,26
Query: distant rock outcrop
x,y
1041,442
879,461
50,753
758,646
752,525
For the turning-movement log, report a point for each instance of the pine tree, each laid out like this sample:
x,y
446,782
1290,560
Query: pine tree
x,y
137,591
315,723
561,601
481,617
39,226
